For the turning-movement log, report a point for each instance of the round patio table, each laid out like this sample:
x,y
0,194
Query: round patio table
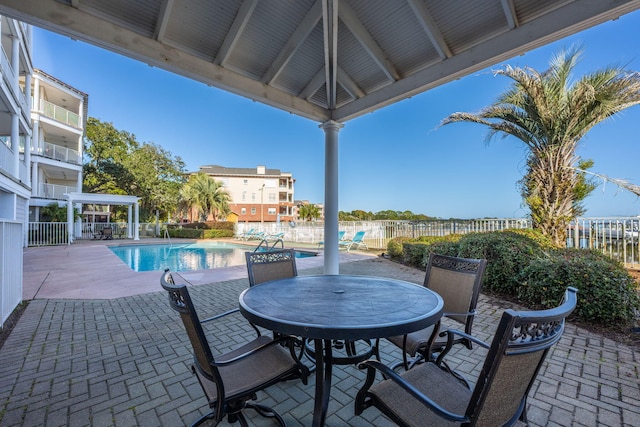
x,y
339,307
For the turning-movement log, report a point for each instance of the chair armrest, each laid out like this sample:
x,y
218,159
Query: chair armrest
x,y
226,313
287,339
451,333
218,316
390,374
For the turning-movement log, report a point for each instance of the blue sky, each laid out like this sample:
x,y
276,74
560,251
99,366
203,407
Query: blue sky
x,y
395,158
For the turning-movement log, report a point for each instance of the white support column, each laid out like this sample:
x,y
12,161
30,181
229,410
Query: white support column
x,y
70,220
129,222
27,157
15,63
15,144
331,248
27,91
28,143
34,179
136,231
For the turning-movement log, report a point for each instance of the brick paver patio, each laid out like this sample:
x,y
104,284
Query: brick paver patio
x,y
125,362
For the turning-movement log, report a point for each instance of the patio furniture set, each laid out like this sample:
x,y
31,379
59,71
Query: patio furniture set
x,y
321,318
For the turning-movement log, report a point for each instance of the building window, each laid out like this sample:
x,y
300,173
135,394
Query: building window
x,y
243,211
253,211
272,197
253,197
245,181
271,211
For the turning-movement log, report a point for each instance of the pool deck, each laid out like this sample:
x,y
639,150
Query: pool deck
x,y
87,269
98,346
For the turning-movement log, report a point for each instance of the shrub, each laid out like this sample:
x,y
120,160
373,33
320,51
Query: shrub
x,y
201,230
507,254
394,247
416,252
607,293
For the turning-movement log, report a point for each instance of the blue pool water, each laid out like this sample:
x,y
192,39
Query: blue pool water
x,y
185,257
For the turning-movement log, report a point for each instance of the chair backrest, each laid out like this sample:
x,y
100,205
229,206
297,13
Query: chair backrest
x,y
271,265
341,235
519,347
180,301
107,231
458,282
358,236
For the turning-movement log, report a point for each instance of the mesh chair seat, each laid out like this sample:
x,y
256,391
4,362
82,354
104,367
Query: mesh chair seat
x,y
246,374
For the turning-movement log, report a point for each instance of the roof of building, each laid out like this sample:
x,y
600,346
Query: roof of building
x,y
221,170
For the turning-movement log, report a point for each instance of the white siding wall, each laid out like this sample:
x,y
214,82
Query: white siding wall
x,y
11,238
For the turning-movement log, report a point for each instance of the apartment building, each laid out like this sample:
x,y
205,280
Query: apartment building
x,y
257,194
59,116
16,69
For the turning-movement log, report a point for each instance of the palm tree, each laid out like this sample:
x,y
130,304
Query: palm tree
x,y
206,196
551,113
309,212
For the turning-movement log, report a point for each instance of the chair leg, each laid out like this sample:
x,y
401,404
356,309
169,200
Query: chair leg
x,y
211,415
267,412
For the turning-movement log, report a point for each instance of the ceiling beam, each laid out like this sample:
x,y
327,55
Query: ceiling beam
x,y
430,28
330,30
564,21
510,13
61,18
349,84
163,20
297,39
233,35
351,21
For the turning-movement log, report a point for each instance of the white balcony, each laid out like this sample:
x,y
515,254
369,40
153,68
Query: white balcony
x,y
58,152
59,114
54,191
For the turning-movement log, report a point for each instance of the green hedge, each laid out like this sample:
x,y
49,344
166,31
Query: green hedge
x,y
525,266
607,293
201,230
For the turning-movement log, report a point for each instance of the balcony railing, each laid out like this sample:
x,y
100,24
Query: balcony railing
x,y
60,114
54,191
57,152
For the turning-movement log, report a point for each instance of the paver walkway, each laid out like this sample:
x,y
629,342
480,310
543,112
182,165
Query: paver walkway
x,y
124,362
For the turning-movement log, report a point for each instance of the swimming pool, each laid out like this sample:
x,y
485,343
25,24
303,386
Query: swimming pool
x,y
185,257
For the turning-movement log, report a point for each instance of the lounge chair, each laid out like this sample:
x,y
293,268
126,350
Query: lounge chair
x,y
357,240
274,237
243,236
107,233
340,238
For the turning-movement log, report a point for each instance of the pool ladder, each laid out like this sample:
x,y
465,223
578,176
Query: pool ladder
x,y
266,245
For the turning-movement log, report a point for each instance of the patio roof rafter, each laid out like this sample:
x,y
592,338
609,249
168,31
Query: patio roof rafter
x,y
277,53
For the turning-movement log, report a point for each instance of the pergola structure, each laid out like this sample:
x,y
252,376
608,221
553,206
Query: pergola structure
x,y
106,199
327,60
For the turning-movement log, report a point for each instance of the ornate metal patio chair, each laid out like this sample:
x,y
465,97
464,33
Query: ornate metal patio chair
x,y
230,381
271,265
429,394
458,282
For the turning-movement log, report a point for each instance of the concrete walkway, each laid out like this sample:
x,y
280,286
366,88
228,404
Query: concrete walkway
x,y
121,359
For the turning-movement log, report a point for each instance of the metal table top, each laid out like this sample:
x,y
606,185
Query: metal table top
x,y
341,306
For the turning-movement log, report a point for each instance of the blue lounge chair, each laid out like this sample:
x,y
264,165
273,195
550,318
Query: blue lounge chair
x,y
358,240
274,237
243,236
340,238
